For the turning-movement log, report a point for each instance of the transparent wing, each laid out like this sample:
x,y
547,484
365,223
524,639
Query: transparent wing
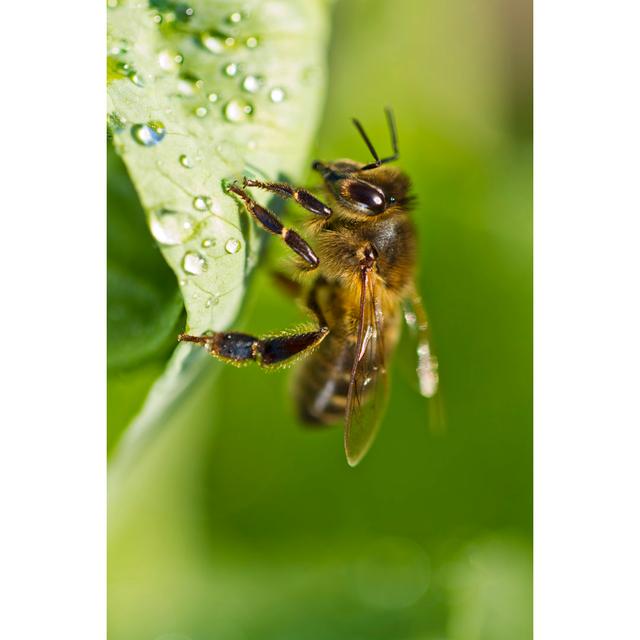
x,y
427,364
368,385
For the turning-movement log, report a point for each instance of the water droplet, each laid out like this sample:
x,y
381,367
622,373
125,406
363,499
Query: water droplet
x,y
136,79
213,97
148,135
211,301
277,94
213,42
232,245
182,282
237,110
202,203
189,85
229,41
251,42
252,83
170,227
116,122
185,161
201,112
169,60
234,18
183,12
193,263
231,69
207,243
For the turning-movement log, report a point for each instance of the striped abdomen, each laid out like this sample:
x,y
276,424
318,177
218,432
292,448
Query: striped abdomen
x,y
322,381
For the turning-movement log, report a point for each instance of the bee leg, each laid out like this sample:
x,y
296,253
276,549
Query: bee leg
x,y
301,196
238,348
270,223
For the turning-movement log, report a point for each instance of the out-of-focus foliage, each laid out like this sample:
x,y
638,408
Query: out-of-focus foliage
x,y
237,524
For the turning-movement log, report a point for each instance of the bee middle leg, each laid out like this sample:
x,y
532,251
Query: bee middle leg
x,y
270,223
238,348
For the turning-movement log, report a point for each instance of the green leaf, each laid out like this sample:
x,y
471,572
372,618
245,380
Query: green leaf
x,y
144,304
198,94
204,93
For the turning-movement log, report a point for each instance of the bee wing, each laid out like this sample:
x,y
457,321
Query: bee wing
x,y
427,363
368,385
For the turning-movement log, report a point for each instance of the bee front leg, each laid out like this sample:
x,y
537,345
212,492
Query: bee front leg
x,y
305,199
269,222
238,348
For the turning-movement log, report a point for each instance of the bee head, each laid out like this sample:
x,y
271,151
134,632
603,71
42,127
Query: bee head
x,y
365,191
369,189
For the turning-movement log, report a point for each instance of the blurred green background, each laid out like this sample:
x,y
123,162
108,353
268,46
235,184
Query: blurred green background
x,y
238,524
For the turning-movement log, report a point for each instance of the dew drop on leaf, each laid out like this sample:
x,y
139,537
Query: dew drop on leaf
x,y
234,18
213,97
169,227
202,203
252,83
149,134
207,243
237,110
277,94
183,12
188,85
231,70
185,161
193,263
136,79
201,112
251,42
232,245
116,122
169,60
212,42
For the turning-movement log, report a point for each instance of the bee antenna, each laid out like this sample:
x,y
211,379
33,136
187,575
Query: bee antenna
x,y
391,123
368,142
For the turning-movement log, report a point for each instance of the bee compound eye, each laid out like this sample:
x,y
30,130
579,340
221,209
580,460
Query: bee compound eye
x,y
367,196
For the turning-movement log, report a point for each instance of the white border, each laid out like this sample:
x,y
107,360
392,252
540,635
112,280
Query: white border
x,y
52,458
52,469
587,320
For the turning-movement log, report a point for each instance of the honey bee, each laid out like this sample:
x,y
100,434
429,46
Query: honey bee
x,y
359,274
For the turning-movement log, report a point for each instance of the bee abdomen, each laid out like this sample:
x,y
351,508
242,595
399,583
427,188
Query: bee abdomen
x,y
322,384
